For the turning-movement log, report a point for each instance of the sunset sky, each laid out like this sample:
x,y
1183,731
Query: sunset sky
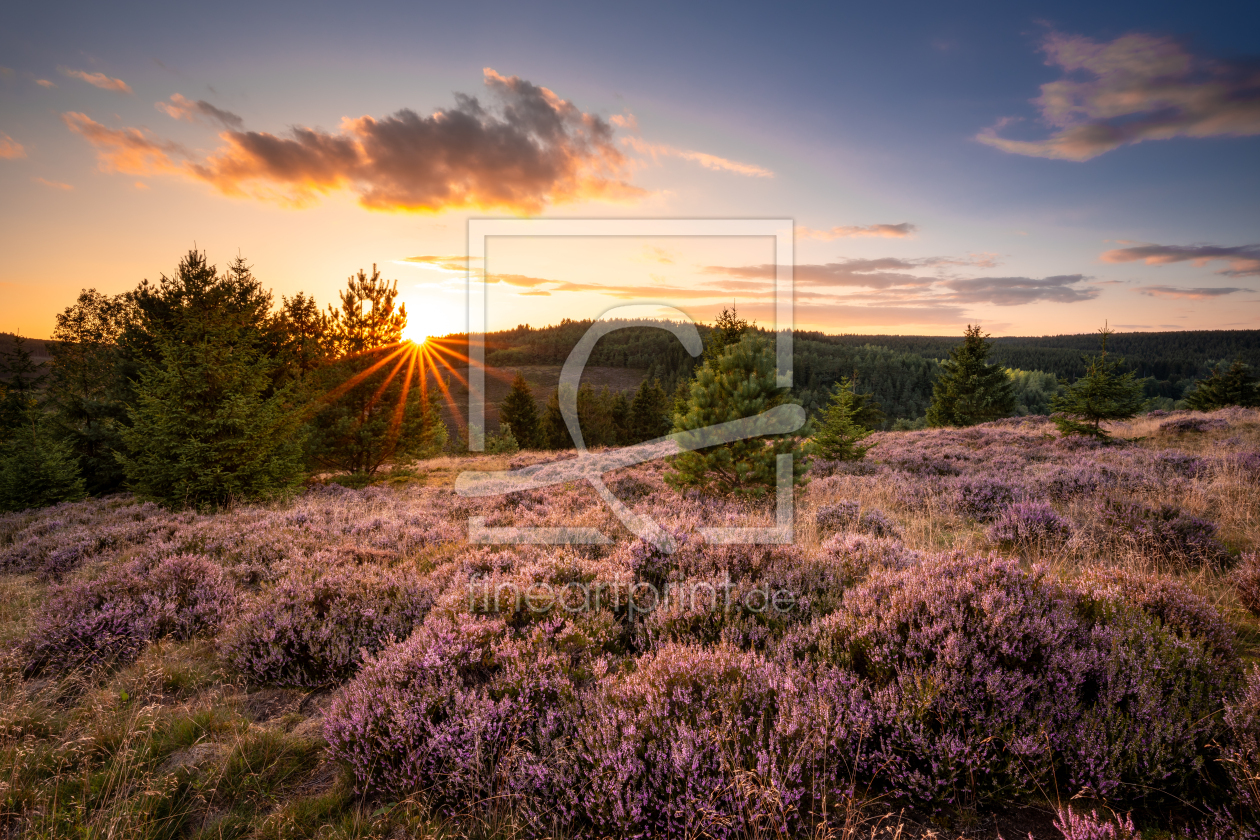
x,y
1034,167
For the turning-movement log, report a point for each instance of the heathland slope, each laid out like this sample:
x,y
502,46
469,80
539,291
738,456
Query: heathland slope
x,y
969,622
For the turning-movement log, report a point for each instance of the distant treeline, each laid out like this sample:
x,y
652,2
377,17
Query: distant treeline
x,y
898,370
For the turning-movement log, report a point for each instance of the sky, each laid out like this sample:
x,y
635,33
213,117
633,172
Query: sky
x,y
1037,168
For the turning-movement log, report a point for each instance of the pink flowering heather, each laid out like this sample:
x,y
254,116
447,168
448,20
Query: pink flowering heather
x,y
1077,825
112,617
1165,532
1246,577
1025,524
847,516
314,626
467,716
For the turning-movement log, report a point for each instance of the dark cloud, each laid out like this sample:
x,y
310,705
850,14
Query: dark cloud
x,y
182,108
1013,291
532,150
1244,260
1188,294
1140,87
526,151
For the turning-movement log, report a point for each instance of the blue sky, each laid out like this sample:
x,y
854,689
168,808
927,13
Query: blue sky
x,y
843,118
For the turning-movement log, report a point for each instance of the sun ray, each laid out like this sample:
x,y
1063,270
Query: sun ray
x,y
446,392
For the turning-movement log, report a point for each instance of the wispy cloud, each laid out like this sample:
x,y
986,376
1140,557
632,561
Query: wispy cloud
x,y
445,263
708,161
56,185
10,149
1243,260
1140,87
895,278
182,108
1187,294
99,79
129,150
45,83
1015,291
898,231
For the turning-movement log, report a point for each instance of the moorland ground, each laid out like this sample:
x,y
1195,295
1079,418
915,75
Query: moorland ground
x,y
984,624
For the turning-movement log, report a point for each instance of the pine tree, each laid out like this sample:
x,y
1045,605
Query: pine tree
x,y
1103,393
85,391
649,412
36,468
727,330
739,383
1236,386
841,432
969,389
19,389
553,432
375,404
207,424
519,411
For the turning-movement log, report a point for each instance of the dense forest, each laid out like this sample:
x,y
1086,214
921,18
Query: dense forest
x,y
899,370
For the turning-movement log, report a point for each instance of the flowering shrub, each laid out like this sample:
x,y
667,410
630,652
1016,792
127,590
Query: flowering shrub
x,y
1166,532
468,715
111,618
1081,826
841,516
314,626
981,497
976,680
665,748
1029,523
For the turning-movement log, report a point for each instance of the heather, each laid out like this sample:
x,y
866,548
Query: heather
x,y
965,621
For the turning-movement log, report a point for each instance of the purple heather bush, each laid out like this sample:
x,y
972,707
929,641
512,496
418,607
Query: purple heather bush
x,y
847,516
1026,524
315,625
1186,425
977,681
980,497
467,715
1077,825
111,618
1166,533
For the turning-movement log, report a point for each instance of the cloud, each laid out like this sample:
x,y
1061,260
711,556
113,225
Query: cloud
x,y
128,150
182,108
1138,87
899,231
1014,291
708,161
1186,294
450,263
99,79
534,150
45,83
891,277
56,185
1244,260
10,149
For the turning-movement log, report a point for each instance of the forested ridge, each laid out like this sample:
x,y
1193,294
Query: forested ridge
x,y
897,369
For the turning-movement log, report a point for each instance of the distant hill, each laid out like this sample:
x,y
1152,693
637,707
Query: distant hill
x,y
37,347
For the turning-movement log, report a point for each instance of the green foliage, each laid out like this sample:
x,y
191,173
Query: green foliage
x,y
739,383
1235,386
650,412
1103,393
208,426
20,388
1034,390
376,404
502,442
728,329
841,430
36,468
519,411
84,392
969,389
